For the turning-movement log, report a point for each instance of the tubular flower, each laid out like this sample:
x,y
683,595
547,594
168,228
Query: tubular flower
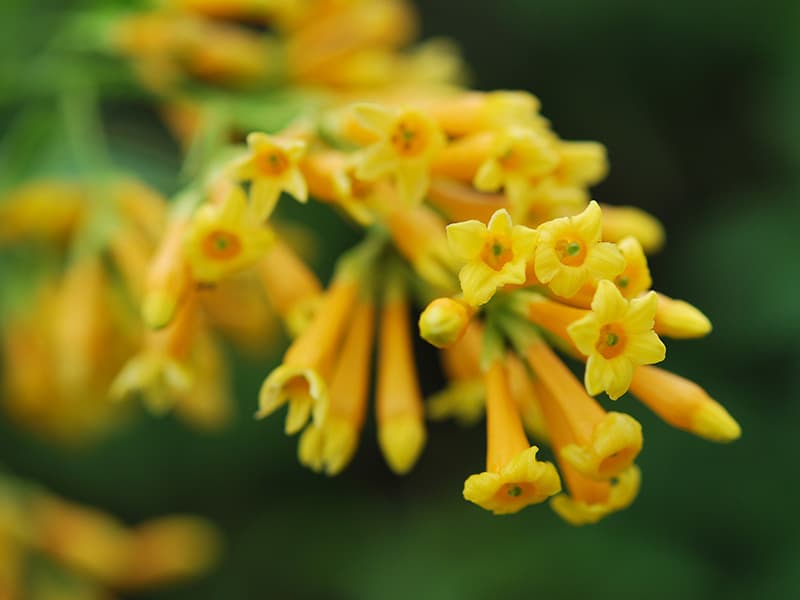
x,y
616,336
272,166
570,253
589,499
496,254
602,444
401,424
301,379
406,141
514,478
224,238
331,446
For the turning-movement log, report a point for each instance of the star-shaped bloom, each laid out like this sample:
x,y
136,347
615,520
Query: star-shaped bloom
x,y
495,255
616,336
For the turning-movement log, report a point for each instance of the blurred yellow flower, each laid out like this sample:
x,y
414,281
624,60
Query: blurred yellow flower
x,y
272,166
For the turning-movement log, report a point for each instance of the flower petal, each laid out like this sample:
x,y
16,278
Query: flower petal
x,y
466,239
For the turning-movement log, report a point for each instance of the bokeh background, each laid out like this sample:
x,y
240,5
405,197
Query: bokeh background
x,y
699,106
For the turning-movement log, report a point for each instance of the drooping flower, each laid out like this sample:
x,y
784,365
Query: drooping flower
x,y
495,254
616,336
514,478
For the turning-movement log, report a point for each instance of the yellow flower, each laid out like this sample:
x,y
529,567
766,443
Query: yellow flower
x,y
495,255
331,446
299,380
616,336
224,238
517,155
570,253
408,140
272,167
597,444
589,501
162,372
589,498
514,478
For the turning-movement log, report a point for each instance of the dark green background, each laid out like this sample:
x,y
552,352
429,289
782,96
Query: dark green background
x,y
699,106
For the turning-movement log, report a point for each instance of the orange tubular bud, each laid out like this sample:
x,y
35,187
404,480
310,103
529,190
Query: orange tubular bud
x,y
683,404
291,287
401,426
168,278
460,159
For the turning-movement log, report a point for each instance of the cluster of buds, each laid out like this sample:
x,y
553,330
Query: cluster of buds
x,y
51,548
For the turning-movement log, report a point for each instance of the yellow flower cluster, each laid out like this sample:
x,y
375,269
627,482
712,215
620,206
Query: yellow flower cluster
x,y
51,548
469,203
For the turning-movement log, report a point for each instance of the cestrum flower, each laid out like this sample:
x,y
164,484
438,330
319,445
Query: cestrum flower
x,y
616,336
407,141
224,238
496,254
272,166
570,253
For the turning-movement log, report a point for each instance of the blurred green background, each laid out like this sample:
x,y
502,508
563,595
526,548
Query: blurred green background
x,y
699,106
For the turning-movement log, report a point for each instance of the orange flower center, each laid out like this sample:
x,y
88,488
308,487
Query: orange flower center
x,y
571,252
410,136
614,462
515,492
496,252
272,162
611,342
221,245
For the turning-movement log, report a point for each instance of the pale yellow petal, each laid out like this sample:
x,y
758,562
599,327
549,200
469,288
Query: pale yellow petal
x,y
605,261
466,239
546,264
478,283
645,348
568,280
585,333
608,303
295,185
642,312
589,223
